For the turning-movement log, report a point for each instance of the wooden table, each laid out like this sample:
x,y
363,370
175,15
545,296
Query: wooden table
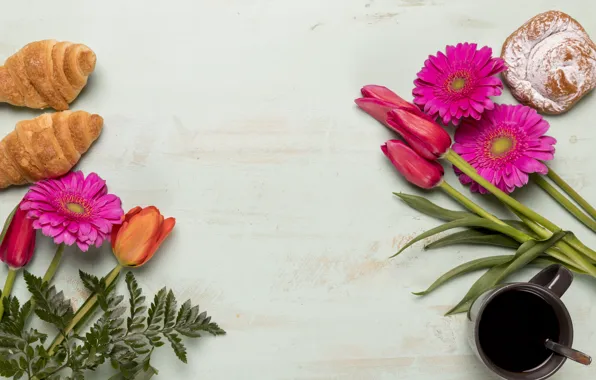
x,y
236,117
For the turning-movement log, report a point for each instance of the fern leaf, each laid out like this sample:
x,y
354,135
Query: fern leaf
x,y
136,321
157,310
177,346
170,312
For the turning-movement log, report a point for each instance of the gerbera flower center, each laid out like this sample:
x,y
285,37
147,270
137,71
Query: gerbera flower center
x,y
75,207
501,145
458,84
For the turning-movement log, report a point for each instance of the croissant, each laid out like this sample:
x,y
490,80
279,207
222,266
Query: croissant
x,y
47,146
45,74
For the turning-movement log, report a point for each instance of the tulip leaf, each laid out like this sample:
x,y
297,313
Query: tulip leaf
x,y
469,221
470,266
429,208
526,253
7,223
545,261
473,236
521,226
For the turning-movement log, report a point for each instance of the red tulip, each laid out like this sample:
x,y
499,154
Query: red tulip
x,y
139,236
417,170
425,136
377,101
18,244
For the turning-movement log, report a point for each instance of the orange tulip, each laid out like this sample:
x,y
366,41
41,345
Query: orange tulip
x,y
139,236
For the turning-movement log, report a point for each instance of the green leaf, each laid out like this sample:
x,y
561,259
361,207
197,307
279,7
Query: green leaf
x,y
429,208
7,223
177,346
485,282
474,237
9,367
170,313
157,310
521,226
51,306
136,321
545,261
469,221
191,324
527,252
91,282
485,262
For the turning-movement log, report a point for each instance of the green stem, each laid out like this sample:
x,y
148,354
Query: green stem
x,y
81,324
566,203
87,306
576,258
557,254
12,275
571,252
572,193
475,208
49,275
51,271
469,170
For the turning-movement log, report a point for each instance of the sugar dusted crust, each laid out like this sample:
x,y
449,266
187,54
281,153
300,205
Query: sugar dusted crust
x,y
551,62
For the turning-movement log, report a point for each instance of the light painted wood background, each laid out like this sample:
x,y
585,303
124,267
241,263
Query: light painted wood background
x,y
236,117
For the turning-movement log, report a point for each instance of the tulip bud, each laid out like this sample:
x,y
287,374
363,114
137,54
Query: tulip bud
x,y
139,236
377,101
18,244
422,173
423,135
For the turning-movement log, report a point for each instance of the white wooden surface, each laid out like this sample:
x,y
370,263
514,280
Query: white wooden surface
x,y
236,117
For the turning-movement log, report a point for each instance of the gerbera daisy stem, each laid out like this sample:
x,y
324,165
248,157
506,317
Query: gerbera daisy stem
x,y
562,247
51,271
572,193
571,252
469,170
12,275
475,208
86,308
566,203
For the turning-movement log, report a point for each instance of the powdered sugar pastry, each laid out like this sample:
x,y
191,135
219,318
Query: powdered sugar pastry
x,y
551,62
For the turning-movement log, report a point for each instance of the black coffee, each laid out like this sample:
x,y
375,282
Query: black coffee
x,y
513,329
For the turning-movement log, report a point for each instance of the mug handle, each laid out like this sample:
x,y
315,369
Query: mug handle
x,y
555,278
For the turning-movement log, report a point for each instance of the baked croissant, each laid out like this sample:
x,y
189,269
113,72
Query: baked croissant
x,y
46,74
47,146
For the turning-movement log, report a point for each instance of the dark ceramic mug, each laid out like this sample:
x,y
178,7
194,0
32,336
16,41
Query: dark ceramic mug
x,y
548,286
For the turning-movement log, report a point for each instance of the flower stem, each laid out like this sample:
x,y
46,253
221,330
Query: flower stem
x,y
571,252
51,271
475,208
12,275
562,247
469,170
572,193
566,203
87,306
49,275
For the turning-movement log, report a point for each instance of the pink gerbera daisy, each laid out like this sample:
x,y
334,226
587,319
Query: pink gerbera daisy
x,y
74,209
506,145
458,84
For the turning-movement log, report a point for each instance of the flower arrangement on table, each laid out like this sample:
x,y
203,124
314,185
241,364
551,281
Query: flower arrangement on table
x,y
497,149
76,210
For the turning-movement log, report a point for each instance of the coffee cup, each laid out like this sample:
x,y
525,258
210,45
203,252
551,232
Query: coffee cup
x,y
509,325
